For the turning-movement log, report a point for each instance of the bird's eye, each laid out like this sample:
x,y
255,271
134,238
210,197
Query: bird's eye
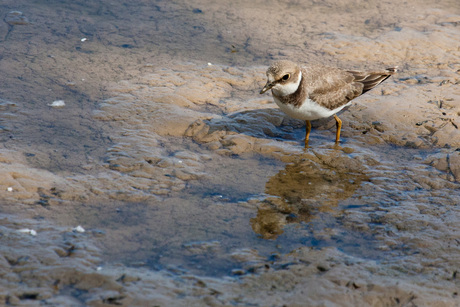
x,y
285,77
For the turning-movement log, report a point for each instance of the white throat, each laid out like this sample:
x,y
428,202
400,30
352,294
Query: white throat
x,y
287,88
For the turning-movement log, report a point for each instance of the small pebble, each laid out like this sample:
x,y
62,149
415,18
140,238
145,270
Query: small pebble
x,y
57,104
78,229
15,18
29,231
98,232
9,189
70,83
83,39
238,272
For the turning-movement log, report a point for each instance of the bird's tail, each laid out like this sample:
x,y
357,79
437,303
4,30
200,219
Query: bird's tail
x,y
372,79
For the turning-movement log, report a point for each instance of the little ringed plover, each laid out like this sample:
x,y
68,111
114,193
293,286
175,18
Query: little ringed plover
x,y
313,92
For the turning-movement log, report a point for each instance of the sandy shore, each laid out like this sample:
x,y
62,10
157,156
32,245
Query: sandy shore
x,y
191,189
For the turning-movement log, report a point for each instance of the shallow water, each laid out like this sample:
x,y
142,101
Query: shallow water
x,y
228,222
194,189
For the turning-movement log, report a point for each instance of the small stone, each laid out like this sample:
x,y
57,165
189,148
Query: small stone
x,y
238,272
57,104
15,18
98,232
78,229
29,231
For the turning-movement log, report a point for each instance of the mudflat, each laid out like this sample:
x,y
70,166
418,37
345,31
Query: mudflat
x,y
139,166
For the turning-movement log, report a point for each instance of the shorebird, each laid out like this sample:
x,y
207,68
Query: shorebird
x,y
312,91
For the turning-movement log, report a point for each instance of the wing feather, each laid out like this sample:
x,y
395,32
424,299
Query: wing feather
x,y
334,88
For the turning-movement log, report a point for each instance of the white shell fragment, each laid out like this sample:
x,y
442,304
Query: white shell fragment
x,y
9,189
57,104
83,39
29,231
78,229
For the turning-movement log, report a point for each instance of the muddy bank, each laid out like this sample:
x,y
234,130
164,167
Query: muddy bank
x,y
59,266
192,189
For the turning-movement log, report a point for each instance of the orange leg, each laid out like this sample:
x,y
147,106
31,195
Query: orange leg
x,y
307,132
339,127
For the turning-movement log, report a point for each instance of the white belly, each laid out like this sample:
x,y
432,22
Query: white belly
x,y
309,110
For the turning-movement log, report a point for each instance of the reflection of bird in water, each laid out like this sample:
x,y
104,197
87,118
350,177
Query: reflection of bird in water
x,y
273,214
268,223
310,185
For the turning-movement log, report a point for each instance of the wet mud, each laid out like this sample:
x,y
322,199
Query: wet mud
x,y
139,166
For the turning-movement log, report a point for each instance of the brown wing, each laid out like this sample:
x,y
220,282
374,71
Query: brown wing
x,y
372,79
333,88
